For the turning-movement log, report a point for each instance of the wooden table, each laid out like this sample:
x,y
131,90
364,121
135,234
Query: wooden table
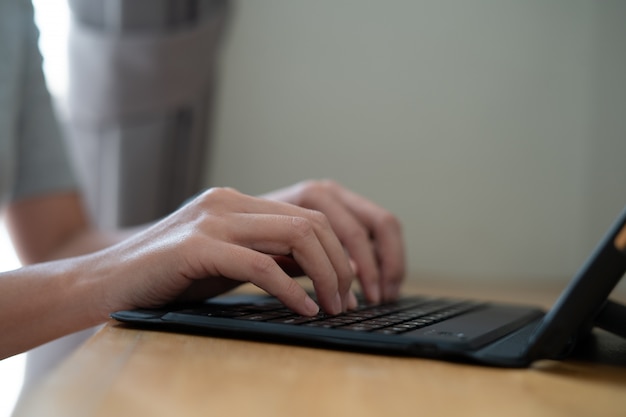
x,y
126,372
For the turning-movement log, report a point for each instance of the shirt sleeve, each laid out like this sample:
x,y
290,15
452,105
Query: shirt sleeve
x,y
42,164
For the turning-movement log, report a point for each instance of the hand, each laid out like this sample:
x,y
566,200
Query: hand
x,y
215,242
371,235
225,237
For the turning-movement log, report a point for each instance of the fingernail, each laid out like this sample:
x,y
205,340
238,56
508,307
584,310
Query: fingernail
x,y
310,306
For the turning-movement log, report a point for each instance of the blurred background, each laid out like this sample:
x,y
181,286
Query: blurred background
x,y
494,129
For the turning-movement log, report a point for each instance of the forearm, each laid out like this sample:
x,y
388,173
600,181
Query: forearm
x,y
89,241
42,302
55,226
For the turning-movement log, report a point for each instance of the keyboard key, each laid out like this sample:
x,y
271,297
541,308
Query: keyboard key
x,y
261,316
293,320
392,318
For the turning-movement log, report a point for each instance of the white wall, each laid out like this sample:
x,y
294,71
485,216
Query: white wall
x,y
494,129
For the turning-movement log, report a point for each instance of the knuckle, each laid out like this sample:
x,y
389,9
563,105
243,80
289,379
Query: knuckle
x,y
329,184
309,190
388,221
215,199
319,186
218,193
302,227
262,265
319,219
357,234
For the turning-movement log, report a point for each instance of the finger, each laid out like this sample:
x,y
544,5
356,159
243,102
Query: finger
x,y
242,203
391,256
246,265
388,241
226,201
336,254
355,238
382,227
310,242
352,301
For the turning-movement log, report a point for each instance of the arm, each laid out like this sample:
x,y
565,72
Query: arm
x,y
220,234
55,226
42,302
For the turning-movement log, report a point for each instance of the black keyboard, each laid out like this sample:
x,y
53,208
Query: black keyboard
x,y
391,318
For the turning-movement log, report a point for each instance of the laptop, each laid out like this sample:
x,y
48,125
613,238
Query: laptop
x,y
487,333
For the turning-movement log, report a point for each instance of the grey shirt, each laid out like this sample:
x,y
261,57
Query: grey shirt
x,y
33,158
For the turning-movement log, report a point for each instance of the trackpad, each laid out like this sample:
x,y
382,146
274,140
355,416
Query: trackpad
x,y
477,328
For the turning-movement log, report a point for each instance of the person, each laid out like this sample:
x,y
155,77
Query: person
x,y
74,275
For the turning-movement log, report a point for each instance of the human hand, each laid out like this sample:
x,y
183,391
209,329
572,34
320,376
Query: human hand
x,y
371,235
224,237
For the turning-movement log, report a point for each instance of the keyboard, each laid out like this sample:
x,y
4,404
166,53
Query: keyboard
x,y
401,316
